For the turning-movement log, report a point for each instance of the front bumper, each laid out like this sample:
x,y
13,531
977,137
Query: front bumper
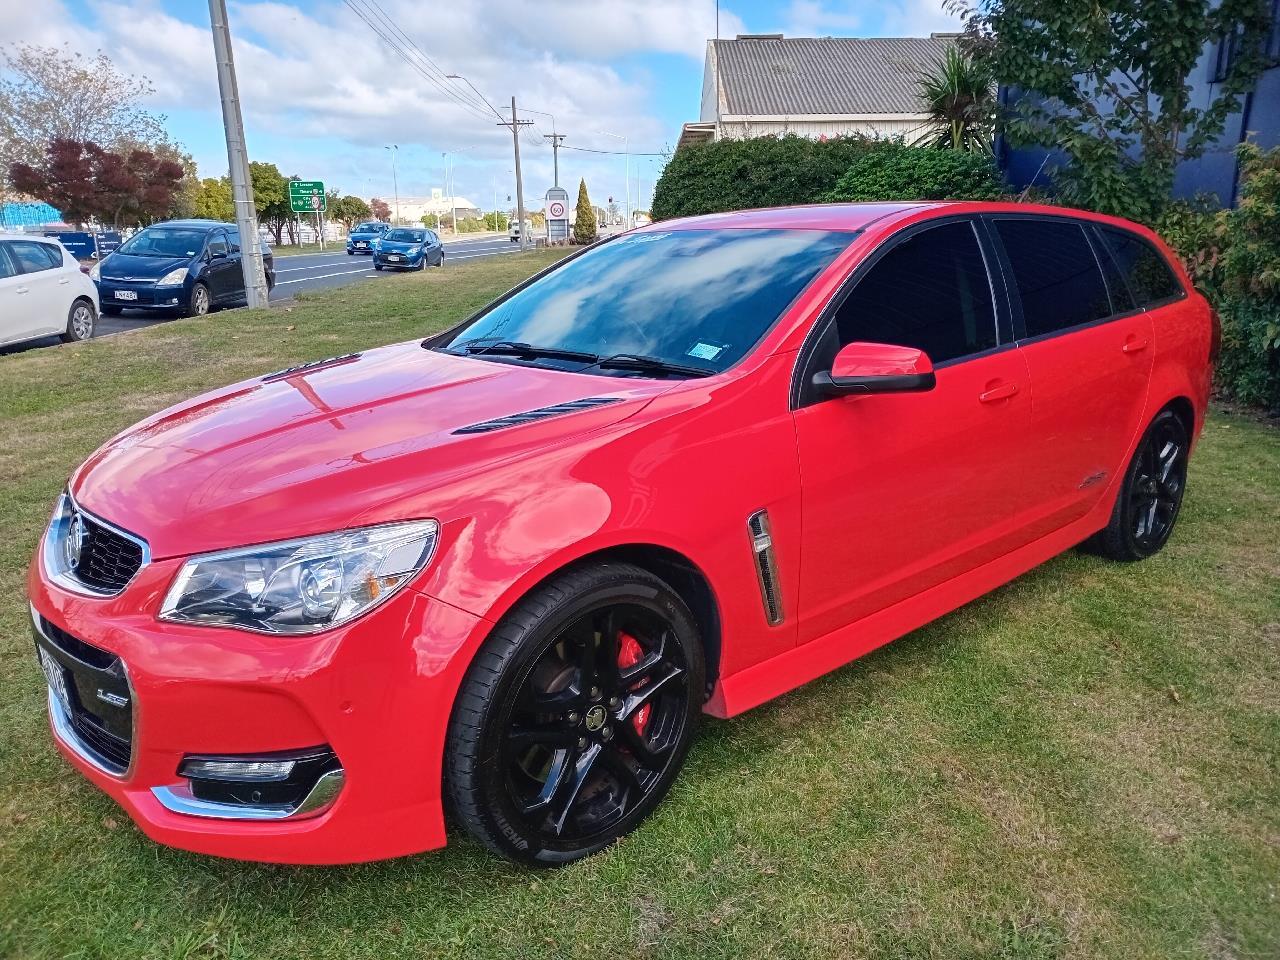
x,y
145,296
377,691
405,259
355,248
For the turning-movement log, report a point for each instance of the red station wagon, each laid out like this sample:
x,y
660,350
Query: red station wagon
x,y
686,470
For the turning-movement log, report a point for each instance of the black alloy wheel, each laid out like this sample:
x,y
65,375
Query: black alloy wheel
x,y
1151,498
576,716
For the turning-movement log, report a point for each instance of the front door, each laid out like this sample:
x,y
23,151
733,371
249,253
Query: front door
x,y
902,492
39,293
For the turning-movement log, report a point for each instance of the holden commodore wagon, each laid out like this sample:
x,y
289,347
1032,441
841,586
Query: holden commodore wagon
x,y
503,570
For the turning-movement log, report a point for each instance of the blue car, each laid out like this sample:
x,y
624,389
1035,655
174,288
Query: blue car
x,y
408,248
363,235
186,266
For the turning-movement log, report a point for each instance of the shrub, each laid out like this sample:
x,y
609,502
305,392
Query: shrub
x,y
1234,257
584,225
1250,303
759,172
897,172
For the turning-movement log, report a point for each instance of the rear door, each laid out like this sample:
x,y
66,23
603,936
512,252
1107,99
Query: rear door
x,y
1089,351
44,291
904,491
221,272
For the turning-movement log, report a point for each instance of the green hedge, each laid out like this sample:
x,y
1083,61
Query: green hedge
x,y
1234,257
897,172
760,172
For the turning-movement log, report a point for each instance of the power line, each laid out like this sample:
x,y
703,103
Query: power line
x,y
406,54
616,153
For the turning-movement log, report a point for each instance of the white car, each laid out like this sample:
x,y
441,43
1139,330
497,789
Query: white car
x,y
43,291
513,229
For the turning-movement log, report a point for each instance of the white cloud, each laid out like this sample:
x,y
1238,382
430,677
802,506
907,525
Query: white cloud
x,y
898,18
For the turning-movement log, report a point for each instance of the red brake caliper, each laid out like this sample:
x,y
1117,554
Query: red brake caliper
x,y
629,654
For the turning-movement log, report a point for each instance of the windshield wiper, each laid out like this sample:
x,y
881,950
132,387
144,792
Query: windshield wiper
x,y
646,364
517,348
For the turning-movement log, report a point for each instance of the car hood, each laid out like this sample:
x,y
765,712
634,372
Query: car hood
x,y
122,266
363,236
359,439
400,246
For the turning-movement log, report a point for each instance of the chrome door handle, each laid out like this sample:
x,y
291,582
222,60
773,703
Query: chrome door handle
x,y
1001,392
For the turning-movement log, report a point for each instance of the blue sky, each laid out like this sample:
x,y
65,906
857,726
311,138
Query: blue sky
x,y
323,95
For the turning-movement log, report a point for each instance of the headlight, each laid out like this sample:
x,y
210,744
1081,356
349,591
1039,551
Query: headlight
x,y
300,586
173,278
95,271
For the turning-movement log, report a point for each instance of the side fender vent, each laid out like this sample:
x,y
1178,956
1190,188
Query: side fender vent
x,y
541,413
766,566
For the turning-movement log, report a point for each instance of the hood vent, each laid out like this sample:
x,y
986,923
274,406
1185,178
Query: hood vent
x,y
542,413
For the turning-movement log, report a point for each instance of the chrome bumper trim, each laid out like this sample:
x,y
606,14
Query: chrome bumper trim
x,y
178,799
66,734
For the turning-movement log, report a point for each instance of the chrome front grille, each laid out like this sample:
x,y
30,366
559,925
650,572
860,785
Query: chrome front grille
x,y
86,554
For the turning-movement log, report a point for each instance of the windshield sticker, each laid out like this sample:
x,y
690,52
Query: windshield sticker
x,y
704,351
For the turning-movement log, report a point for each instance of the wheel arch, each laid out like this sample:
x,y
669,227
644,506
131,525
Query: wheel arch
x,y
676,569
1184,410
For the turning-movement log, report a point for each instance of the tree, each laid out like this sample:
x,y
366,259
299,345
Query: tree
x,y
50,93
1107,82
349,211
431,221
380,210
584,224
495,221
86,182
271,199
214,200
960,98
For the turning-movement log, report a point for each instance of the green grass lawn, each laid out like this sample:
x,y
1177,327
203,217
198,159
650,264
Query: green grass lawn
x,y
1083,764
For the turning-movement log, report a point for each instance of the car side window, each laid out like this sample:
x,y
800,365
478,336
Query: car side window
x,y
930,291
233,242
7,267
1146,271
217,244
33,257
1055,272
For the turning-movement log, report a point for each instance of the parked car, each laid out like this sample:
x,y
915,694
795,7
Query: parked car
x,y
43,291
364,236
408,248
687,469
513,229
187,266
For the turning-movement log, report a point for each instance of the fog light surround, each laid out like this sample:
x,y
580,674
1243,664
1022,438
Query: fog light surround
x,y
256,787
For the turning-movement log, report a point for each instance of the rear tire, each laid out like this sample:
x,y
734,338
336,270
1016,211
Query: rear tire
x,y
81,321
575,716
1150,498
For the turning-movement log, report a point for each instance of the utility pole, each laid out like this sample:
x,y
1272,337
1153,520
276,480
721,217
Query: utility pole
x,y
515,124
555,139
255,277
395,185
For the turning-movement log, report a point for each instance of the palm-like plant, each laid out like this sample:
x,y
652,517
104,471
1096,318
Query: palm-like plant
x,y
960,99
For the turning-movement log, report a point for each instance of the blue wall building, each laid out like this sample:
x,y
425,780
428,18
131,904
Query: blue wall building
x,y
1215,173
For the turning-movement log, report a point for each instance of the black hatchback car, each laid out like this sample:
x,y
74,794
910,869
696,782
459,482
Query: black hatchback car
x,y
190,266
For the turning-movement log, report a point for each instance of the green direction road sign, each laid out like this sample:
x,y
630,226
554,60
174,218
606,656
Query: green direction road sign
x,y
307,196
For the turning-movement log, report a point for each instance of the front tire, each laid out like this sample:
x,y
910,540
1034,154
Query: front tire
x,y
576,715
377,266
198,305
81,321
1150,498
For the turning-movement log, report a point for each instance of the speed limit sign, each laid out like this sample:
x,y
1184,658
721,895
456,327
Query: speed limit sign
x,y
315,202
557,209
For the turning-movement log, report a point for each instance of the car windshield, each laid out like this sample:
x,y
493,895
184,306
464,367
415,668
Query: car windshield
x,y
405,236
165,242
367,228
696,298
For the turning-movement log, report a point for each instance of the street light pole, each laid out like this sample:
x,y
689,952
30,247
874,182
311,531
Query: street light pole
x,y
395,184
255,277
626,187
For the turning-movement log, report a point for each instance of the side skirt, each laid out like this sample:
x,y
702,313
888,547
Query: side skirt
x,y
763,681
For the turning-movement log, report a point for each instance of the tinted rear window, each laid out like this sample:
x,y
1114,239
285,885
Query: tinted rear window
x,y
1056,274
1147,273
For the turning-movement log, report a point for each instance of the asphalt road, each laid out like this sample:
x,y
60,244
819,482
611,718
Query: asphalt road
x,y
308,271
